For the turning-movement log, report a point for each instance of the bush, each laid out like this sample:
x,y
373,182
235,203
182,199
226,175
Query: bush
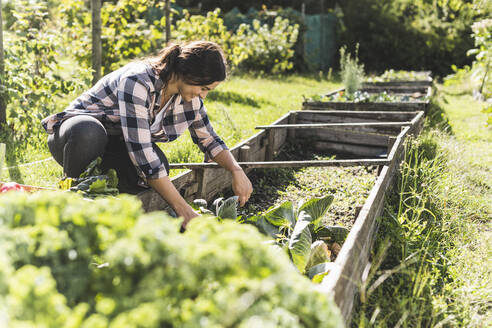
x,y
67,261
410,35
257,47
33,82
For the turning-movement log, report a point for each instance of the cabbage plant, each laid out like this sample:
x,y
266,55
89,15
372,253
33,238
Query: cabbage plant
x,y
299,231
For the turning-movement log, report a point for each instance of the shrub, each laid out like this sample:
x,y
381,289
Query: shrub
x,y
104,263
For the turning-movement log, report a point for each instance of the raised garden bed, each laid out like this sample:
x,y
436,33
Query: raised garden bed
x,y
359,140
410,93
401,79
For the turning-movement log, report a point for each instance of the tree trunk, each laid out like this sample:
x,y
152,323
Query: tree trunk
x,y
3,102
96,40
168,21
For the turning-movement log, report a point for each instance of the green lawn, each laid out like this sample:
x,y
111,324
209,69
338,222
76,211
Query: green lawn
x,y
236,107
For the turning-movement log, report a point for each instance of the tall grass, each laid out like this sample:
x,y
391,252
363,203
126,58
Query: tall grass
x,y
422,273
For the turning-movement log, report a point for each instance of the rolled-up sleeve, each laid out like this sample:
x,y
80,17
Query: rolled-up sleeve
x,y
134,98
203,134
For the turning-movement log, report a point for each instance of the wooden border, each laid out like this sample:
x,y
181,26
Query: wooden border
x,y
347,276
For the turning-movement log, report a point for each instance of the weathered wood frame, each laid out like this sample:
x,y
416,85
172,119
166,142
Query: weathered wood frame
x,y
427,82
346,277
375,106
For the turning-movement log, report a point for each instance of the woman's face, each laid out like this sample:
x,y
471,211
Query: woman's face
x,y
188,91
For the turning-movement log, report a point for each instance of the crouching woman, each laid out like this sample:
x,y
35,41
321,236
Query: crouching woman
x,y
124,115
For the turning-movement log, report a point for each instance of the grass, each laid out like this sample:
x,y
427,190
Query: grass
x,y
433,266
236,107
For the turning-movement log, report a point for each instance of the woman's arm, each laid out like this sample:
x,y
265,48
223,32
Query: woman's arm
x,y
168,191
240,183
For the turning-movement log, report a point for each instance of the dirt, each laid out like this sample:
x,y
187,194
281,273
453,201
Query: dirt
x,y
349,185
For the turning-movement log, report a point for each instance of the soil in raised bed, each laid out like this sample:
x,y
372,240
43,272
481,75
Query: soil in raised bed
x,y
350,186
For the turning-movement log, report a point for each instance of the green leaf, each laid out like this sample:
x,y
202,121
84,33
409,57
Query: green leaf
x,y
281,215
98,186
112,178
319,254
319,271
316,208
300,244
266,228
228,208
92,168
332,233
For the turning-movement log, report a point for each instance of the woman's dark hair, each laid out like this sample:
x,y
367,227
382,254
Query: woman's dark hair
x,y
196,63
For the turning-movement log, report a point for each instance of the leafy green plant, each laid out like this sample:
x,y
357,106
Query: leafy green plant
x,y
399,75
224,209
364,96
301,233
65,261
92,182
351,71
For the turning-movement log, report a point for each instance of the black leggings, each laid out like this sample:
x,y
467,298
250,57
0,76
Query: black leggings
x,y
81,139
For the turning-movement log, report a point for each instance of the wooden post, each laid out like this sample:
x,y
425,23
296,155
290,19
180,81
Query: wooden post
x,y
3,101
200,177
168,21
96,40
269,155
291,134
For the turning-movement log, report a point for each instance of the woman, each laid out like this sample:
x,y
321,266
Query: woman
x,y
129,110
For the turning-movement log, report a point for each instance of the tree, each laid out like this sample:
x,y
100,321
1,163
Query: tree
x,y
96,40
3,102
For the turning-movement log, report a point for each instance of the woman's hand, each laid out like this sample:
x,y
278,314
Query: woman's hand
x,y
241,186
187,214
168,192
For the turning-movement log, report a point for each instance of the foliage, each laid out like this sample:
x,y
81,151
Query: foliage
x,y
407,34
33,82
104,263
351,71
257,47
364,96
92,182
211,27
270,50
400,75
129,34
294,230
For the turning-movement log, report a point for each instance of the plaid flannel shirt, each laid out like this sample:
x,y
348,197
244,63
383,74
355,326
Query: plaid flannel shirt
x,y
128,99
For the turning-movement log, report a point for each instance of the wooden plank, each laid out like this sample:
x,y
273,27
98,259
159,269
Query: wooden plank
x,y
350,149
379,130
340,135
391,89
291,136
368,106
330,116
330,125
283,164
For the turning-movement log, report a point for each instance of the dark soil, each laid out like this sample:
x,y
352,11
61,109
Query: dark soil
x,y
350,186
